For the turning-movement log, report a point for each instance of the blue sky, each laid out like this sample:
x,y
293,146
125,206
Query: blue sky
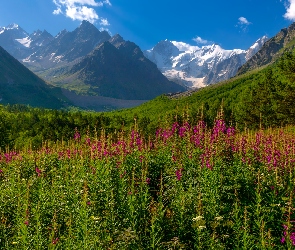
x,y
230,23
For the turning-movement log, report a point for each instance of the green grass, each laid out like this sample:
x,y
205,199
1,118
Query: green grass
x,y
190,187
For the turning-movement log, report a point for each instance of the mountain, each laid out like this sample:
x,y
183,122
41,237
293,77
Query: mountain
x,y
92,63
8,40
117,69
18,85
66,47
197,67
272,49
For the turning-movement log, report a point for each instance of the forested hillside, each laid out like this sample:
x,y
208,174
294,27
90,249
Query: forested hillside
x,y
262,98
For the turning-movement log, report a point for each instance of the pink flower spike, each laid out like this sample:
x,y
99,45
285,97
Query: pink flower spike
x,y
54,241
38,171
178,174
148,181
26,222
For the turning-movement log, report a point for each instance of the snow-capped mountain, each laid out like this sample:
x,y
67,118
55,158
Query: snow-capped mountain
x,y
36,39
8,36
198,66
19,43
92,62
67,46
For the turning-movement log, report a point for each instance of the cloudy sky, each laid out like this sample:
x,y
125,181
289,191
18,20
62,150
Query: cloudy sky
x,y
230,23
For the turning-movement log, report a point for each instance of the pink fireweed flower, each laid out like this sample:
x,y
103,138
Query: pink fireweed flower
x,y
1,171
38,171
77,135
230,131
26,222
178,174
88,141
292,236
54,241
148,181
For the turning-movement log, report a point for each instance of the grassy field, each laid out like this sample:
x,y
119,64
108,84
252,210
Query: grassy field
x,y
190,187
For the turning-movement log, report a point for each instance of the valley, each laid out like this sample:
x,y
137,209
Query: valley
x,y
106,146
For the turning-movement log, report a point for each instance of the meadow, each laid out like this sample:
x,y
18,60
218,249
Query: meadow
x,y
187,187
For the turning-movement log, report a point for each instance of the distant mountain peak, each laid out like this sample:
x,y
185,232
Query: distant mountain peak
x,y
116,40
85,25
195,66
61,33
12,26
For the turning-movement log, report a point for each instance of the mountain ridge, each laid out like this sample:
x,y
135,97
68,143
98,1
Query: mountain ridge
x,y
198,67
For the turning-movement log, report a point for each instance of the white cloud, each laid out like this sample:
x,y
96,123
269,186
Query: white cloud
x,y
290,8
243,23
82,13
104,22
81,9
107,2
243,20
200,40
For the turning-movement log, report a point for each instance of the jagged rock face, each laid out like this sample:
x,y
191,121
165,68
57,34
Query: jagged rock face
x,y
197,67
8,36
118,69
68,46
95,62
271,50
225,69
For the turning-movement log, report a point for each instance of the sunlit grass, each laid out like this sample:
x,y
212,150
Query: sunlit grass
x,y
190,187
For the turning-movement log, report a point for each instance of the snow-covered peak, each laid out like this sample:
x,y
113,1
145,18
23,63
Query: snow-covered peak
x,y
14,30
259,42
12,26
184,46
192,65
255,47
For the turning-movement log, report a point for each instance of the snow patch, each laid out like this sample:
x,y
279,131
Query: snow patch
x,y
25,41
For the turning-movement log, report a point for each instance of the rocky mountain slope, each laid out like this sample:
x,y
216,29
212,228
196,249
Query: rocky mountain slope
x,y
198,67
91,62
18,85
118,69
272,49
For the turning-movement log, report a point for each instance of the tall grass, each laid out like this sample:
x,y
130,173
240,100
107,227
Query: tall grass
x,y
190,187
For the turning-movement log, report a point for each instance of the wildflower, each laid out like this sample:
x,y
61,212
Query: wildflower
x,y
1,171
54,241
178,174
218,218
94,218
38,171
26,222
202,227
77,135
88,141
198,218
148,181
88,203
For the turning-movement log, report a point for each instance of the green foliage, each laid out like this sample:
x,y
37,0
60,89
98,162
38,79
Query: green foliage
x,y
191,187
262,98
